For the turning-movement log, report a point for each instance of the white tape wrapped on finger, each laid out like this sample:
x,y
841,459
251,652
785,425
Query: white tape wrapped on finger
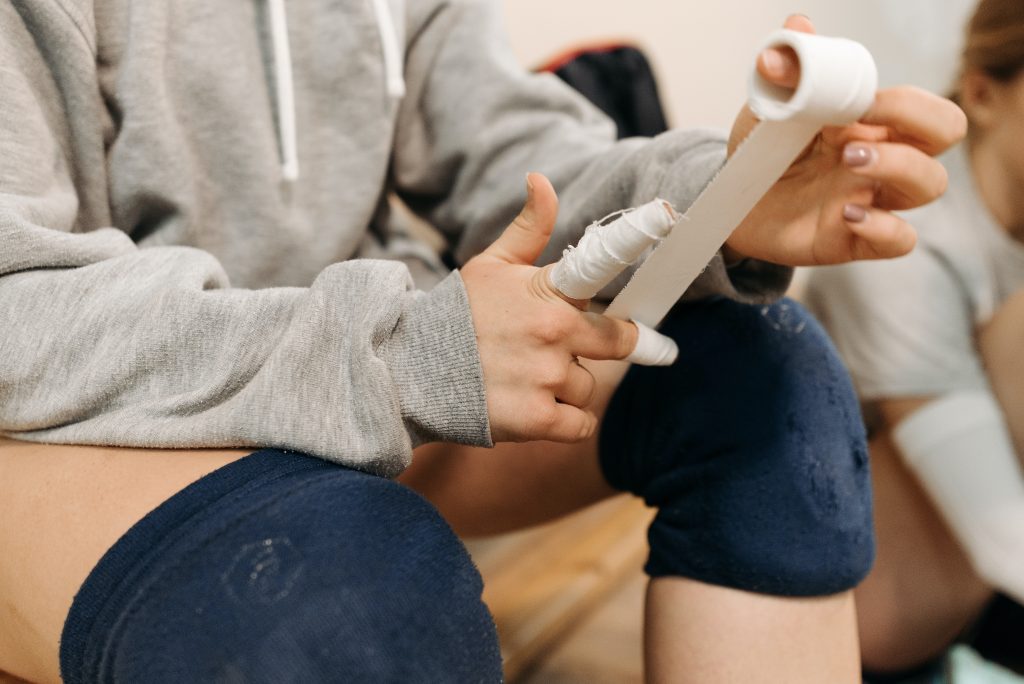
x,y
609,246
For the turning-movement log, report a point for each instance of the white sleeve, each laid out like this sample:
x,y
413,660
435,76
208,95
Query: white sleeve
x,y
904,327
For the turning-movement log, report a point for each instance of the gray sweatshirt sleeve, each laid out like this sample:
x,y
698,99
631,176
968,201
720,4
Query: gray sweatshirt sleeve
x,y
105,343
474,122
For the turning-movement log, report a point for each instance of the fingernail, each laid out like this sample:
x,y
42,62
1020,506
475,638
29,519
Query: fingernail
x,y
858,155
773,62
529,183
854,213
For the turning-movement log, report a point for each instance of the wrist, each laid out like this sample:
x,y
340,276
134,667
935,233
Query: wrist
x,y
732,256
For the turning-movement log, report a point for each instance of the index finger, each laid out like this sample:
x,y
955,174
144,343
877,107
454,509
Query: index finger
x,y
542,283
930,123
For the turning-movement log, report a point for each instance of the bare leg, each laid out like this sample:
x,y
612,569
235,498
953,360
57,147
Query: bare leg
x,y
770,639
57,532
922,591
61,508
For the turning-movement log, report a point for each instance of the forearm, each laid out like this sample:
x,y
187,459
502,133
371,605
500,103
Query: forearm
x,y
1000,343
152,348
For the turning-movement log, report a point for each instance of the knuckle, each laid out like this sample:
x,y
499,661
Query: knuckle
x,y
525,222
587,429
625,339
552,374
589,390
909,239
554,325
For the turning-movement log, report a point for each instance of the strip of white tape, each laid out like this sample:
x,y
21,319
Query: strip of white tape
x,y
837,85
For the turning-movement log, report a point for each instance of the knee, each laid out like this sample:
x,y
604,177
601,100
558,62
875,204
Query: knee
x,y
752,447
348,577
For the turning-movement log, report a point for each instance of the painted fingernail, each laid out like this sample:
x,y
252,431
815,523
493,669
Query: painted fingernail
x,y
854,213
858,155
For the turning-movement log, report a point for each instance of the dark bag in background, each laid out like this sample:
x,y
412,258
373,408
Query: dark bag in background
x,y
618,79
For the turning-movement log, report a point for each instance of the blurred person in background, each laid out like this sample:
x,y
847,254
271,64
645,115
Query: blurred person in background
x,y
934,342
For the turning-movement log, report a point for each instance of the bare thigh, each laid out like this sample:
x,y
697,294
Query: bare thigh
x,y
61,509
922,591
487,491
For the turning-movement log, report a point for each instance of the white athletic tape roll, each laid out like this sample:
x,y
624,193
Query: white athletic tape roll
x,y
837,85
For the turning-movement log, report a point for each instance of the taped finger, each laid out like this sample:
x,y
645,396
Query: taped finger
x,y
607,249
653,348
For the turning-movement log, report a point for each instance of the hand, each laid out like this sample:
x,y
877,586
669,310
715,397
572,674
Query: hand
x,y
834,204
530,335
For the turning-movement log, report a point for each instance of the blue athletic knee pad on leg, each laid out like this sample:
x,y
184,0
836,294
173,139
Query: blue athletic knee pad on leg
x,y
284,568
753,450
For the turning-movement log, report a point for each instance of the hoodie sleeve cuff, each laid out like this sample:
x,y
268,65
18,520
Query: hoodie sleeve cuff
x,y
751,281
435,365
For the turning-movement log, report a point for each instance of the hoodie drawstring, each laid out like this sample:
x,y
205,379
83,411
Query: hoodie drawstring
x,y
389,46
284,91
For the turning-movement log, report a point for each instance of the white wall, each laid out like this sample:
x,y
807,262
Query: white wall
x,y
702,51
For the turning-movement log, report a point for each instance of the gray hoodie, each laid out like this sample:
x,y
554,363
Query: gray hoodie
x,y
186,187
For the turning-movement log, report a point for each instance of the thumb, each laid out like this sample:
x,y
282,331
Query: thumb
x,y
781,65
799,22
528,235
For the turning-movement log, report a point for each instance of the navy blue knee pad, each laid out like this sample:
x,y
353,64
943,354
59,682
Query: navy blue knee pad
x,y
284,568
753,450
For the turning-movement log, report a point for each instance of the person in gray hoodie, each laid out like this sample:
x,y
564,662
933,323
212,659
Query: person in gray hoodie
x,y
187,190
